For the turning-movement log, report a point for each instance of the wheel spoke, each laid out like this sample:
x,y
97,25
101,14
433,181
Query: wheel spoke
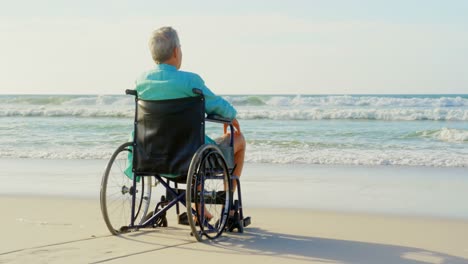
x,y
116,205
209,182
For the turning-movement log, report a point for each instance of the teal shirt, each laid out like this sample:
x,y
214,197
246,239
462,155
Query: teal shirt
x,y
165,82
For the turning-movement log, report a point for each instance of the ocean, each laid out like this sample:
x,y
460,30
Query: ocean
x,y
396,154
389,130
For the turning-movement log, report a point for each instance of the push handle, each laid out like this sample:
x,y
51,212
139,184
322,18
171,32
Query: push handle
x,y
134,92
131,92
197,91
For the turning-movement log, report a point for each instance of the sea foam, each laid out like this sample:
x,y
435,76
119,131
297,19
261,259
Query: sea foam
x,y
348,100
393,114
274,155
126,111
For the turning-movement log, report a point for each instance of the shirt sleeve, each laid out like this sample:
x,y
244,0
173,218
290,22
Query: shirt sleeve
x,y
215,104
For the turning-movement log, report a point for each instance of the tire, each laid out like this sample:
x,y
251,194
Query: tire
x,y
208,170
116,193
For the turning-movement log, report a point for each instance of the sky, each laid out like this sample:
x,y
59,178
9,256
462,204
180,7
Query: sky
x,y
238,47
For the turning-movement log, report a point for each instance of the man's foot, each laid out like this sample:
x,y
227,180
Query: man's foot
x,y
208,215
183,219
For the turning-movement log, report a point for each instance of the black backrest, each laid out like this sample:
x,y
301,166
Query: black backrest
x,y
167,135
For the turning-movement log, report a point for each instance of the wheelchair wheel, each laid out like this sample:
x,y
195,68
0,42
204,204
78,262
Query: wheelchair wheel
x,y
117,190
208,196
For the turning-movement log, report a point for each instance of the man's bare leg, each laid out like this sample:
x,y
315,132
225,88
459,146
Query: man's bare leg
x,y
239,154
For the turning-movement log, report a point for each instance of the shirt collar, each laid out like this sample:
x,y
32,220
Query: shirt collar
x,y
166,67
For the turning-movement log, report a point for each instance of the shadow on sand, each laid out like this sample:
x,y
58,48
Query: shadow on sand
x,y
260,242
256,241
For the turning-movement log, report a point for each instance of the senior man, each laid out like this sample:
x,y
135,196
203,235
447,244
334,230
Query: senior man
x,y
165,81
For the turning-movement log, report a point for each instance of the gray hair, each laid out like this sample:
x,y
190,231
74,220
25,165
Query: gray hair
x,y
162,43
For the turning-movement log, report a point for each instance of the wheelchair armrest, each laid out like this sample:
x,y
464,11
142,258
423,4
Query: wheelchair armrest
x,y
218,119
222,120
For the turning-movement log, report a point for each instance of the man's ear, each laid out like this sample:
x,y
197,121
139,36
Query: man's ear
x,y
175,53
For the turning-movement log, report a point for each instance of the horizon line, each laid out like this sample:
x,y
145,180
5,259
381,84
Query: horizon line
x,y
238,94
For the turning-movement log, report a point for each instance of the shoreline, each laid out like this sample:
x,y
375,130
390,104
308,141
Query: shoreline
x,y
249,163
387,190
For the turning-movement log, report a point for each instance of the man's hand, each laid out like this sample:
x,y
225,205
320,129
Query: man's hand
x,y
236,125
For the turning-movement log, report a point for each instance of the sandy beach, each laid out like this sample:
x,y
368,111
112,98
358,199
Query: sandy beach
x,y
64,230
301,214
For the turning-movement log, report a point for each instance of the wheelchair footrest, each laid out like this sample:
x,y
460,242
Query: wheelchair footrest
x,y
234,222
182,219
247,221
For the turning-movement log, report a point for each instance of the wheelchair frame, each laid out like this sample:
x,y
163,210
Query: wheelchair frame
x,y
187,196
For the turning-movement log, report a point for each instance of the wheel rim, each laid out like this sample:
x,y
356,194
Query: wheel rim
x,y
208,193
117,190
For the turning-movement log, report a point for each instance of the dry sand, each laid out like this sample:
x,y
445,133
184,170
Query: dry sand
x,y
64,230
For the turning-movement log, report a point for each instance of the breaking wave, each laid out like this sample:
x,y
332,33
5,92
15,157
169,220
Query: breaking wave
x,y
405,114
350,101
392,114
258,100
444,134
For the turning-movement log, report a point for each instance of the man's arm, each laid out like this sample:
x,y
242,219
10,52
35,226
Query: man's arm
x,y
215,104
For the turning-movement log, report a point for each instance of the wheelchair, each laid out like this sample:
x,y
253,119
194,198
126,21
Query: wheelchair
x,y
169,149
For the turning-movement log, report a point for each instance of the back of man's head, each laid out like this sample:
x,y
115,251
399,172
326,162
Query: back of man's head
x,y
162,43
